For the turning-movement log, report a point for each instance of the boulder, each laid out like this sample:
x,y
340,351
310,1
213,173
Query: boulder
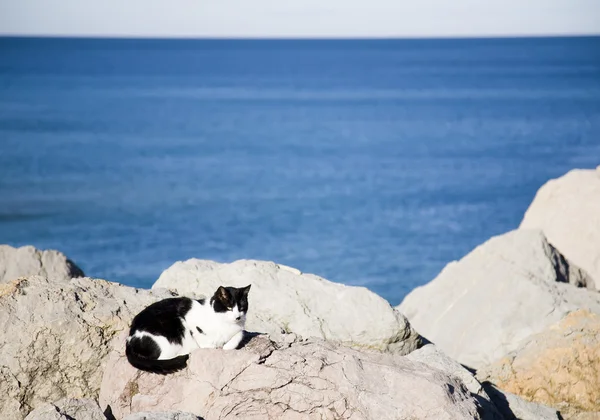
x,y
282,299
514,285
67,409
559,366
567,209
29,261
55,337
303,379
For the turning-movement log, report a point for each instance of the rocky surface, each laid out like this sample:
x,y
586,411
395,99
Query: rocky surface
x,y
56,346
559,366
311,379
29,261
514,285
55,338
88,409
284,300
67,409
162,415
567,209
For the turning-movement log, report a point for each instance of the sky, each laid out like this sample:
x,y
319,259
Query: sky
x,y
299,18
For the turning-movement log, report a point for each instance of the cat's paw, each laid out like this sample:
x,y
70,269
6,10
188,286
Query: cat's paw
x,y
230,346
234,342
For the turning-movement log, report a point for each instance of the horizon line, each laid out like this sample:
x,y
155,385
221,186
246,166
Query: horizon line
x,y
294,38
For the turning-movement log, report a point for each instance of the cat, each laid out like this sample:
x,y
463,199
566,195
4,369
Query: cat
x,y
163,334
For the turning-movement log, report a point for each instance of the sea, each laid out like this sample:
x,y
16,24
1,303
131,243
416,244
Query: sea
x,y
368,162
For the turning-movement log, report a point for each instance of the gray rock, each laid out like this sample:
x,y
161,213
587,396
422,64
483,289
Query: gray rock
x,y
28,261
514,407
163,415
67,409
55,337
567,210
514,285
282,299
310,379
433,357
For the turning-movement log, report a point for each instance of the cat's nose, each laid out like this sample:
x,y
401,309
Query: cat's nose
x,y
238,318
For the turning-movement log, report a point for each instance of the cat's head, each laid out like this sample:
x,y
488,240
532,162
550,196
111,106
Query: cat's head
x,y
232,302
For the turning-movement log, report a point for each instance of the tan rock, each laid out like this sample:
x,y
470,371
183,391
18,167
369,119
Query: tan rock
x,y
29,261
54,338
567,210
310,379
585,416
559,366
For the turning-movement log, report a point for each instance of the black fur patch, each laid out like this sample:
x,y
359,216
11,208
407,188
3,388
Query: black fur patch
x,y
162,367
144,347
163,318
225,298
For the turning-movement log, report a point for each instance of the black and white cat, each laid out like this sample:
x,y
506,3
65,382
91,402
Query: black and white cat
x,y
163,335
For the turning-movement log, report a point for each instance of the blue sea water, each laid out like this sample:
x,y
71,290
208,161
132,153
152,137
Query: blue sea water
x,y
370,163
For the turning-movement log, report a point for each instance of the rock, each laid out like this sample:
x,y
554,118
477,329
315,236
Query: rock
x,y
311,379
514,285
513,407
284,300
28,261
433,357
559,366
68,409
567,209
55,337
585,416
163,415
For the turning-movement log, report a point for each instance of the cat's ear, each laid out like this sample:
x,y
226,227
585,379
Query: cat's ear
x,y
245,290
223,294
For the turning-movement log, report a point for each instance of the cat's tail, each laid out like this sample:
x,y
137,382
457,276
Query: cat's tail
x,y
162,367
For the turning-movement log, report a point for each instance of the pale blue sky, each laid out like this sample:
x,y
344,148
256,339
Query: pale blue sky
x,y
307,18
